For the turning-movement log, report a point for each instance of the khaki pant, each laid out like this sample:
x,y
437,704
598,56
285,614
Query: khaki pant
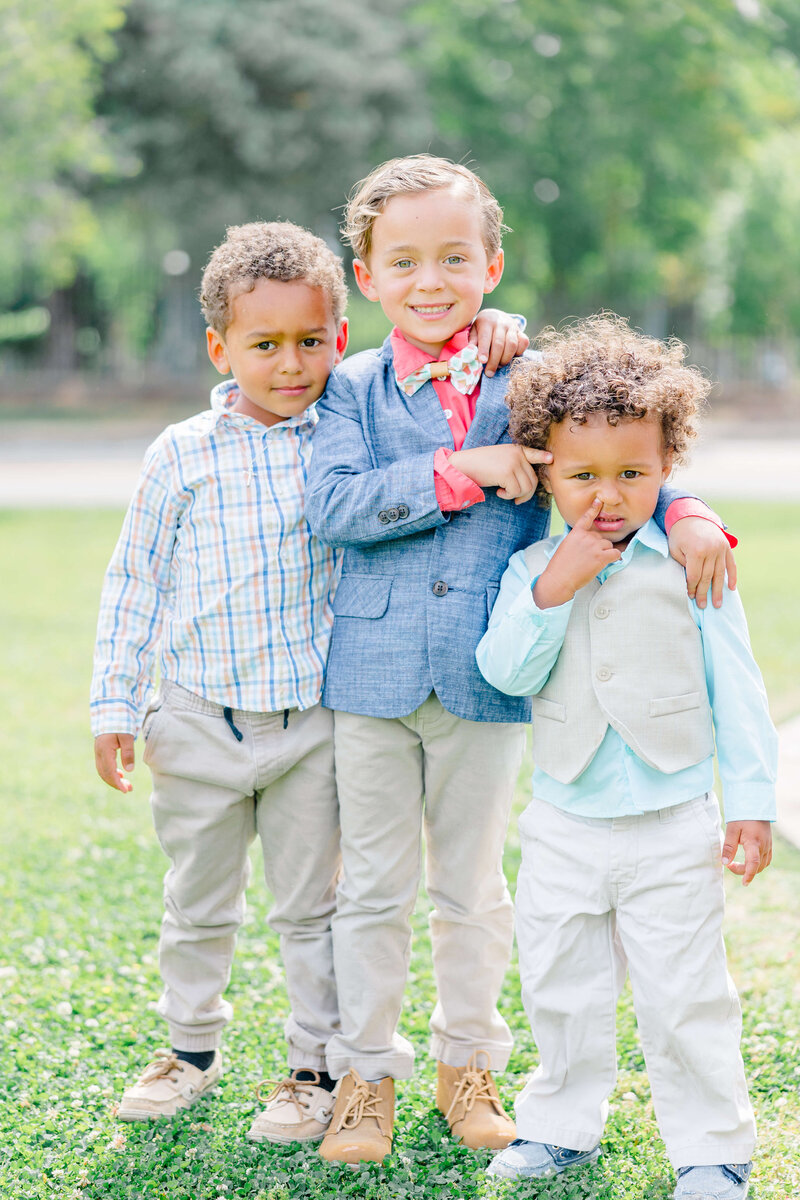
x,y
455,779
595,897
211,795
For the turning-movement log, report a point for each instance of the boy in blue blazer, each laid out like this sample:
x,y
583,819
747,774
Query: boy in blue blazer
x,y
415,475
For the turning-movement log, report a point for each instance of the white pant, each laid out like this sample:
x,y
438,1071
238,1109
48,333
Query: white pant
x,y
642,892
456,778
211,795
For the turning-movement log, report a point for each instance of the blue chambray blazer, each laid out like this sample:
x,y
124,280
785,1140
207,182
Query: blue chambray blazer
x,y
417,584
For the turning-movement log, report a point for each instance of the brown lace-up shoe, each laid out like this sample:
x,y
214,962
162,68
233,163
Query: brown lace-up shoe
x,y
167,1085
294,1111
468,1098
362,1122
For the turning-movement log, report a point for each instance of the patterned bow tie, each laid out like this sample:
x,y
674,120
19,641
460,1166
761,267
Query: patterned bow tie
x,y
463,369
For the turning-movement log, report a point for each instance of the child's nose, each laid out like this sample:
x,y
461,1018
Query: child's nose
x,y
609,492
290,359
429,277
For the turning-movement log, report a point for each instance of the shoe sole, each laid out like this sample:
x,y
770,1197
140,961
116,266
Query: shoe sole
x,y
547,1173
283,1141
146,1114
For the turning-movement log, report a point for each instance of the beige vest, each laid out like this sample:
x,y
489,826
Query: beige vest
x,y
632,658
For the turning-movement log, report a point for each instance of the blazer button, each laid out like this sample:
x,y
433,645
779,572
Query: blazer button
x,y
604,674
384,517
601,613
393,513
440,588
402,511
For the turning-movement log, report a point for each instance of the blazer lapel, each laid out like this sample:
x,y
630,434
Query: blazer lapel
x,y
491,413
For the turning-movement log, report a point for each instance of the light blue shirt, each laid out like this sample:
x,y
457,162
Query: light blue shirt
x,y
522,643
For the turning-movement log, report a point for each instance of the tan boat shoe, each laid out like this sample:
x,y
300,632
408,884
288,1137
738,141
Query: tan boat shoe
x,y
296,1110
362,1122
468,1098
166,1086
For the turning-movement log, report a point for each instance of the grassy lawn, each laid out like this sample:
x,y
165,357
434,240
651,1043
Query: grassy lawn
x,y
80,894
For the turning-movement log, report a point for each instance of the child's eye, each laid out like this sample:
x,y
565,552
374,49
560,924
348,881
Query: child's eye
x,y
631,474
310,342
266,345
583,475
403,262
453,260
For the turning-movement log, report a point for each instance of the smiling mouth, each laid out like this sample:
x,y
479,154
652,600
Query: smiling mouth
x,y
292,391
431,310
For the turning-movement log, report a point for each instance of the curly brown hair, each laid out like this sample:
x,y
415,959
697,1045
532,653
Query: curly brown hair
x,y
416,173
268,250
601,365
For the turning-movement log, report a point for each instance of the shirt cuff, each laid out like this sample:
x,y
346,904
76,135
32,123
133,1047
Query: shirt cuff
x,y
113,716
745,801
688,506
454,490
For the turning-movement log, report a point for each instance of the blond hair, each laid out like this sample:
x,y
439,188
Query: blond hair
x,y
268,250
416,173
601,365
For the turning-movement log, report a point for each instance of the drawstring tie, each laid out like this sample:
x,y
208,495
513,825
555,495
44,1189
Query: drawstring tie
x,y
228,715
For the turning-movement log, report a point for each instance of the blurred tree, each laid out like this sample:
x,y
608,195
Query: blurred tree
x,y
51,144
259,108
609,130
226,112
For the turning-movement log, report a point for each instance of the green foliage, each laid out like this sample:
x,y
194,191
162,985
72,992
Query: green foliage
x,y
259,109
608,130
80,892
50,141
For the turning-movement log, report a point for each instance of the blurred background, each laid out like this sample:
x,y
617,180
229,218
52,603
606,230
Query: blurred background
x,y
647,156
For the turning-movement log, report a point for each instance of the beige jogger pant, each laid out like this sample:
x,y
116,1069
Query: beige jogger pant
x,y
644,893
456,779
211,795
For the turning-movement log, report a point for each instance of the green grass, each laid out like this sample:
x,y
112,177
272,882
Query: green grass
x,y
80,893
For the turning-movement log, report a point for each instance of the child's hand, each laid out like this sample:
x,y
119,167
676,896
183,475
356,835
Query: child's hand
x,y
702,548
755,838
506,467
499,338
583,554
106,746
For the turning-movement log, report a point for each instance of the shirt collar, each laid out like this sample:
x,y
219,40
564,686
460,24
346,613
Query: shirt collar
x,y
224,395
408,358
649,535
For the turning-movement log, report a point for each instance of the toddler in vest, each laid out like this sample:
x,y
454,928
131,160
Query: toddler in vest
x,y
632,685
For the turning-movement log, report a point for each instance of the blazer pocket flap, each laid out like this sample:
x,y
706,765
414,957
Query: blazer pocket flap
x,y
542,707
664,706
362,596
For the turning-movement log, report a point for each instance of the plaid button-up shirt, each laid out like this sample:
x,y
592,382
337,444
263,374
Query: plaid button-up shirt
x,y
217,564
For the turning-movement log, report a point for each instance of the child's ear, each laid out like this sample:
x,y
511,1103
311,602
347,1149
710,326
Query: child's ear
x,y
341,340
364,280
494,273
543,475
217,351
667,460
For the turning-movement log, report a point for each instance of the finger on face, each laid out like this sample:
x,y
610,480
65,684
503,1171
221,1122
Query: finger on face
x,y
587,520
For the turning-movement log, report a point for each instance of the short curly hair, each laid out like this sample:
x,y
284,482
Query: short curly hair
x,y
268,250
416,173
601,365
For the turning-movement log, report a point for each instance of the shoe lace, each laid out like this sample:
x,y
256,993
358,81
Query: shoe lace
x,y
474,1085
165,1063
289,1089
362,1102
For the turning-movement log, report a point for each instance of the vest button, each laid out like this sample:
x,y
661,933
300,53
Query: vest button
x,y
601,612
604,674
440,588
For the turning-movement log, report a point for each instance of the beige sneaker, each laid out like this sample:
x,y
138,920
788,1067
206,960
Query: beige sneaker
x,y
468,1098
166,1086
362,1123
296,1110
